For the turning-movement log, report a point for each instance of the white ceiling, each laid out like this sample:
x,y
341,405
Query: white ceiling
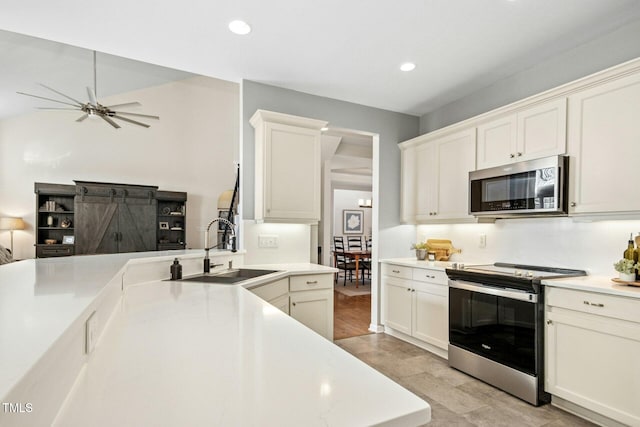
x,y
348,50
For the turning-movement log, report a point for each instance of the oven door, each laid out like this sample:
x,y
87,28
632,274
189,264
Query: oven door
x,y
499,324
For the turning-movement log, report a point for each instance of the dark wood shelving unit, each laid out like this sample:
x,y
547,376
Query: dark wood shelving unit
x,y
171,222
55,201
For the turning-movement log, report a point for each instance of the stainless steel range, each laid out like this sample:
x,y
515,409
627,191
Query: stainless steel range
x,y
496,325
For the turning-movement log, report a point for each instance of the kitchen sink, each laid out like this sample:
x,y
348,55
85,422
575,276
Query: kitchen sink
x,y
229,277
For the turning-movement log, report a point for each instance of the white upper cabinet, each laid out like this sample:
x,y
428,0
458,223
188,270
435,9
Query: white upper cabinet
x,y
536,132
287,167
604,147
436,178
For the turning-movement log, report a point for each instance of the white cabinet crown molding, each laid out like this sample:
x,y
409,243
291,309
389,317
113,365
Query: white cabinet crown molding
x,y
565,90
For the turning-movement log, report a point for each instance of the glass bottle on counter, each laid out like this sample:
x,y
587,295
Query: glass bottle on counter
x,y
631,252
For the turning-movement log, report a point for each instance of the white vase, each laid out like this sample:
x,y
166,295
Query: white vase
x,y
627,277
421,254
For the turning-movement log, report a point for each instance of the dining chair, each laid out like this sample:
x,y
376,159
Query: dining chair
x,y
354,242
342,262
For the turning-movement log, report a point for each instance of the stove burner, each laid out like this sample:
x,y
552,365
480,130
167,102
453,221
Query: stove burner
x,y
515,276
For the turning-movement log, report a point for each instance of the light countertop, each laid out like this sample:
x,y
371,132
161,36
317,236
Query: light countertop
x,y
199,352
184,353
431,265
599,284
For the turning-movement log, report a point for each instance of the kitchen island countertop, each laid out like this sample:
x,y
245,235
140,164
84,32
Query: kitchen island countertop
x,y
176,353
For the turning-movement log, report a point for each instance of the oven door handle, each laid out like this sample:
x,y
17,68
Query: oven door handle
x,y
490,290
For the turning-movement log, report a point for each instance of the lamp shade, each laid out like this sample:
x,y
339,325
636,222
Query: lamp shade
x,y
9,223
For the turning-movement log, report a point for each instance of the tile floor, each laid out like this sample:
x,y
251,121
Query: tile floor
x,y
456,399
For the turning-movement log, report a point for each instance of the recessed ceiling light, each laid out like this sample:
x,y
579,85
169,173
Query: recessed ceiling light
x,y
408,66
324,129
239,27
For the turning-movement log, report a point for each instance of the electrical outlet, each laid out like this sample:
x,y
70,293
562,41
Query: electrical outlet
x,y
91,333
483,241
267,241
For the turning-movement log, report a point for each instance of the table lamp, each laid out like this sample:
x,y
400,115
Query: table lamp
x,y
11,224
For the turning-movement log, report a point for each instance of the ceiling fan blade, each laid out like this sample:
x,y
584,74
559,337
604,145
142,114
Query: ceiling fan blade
x,y
92,96
111,122
124,105
131,121
57,109
49,99
82,118
60,93
137,115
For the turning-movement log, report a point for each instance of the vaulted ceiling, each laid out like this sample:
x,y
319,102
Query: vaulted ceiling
x,y
348,50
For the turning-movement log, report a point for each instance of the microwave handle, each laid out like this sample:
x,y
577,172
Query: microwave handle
x,y
490,290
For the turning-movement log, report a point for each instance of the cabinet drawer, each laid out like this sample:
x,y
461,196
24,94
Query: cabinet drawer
x,y
590,302
44,251
273,290
432,276
393,270
310,282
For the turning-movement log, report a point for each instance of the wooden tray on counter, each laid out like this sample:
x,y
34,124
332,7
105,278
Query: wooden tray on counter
x,y
622,282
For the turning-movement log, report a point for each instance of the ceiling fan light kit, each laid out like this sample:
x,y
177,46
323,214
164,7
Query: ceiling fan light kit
x,y
93,108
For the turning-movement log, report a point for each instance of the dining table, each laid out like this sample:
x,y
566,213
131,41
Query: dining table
x,y
356,255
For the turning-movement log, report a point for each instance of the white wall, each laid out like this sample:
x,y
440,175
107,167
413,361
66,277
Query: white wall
x,y
191,148
294,241
557,242
348,199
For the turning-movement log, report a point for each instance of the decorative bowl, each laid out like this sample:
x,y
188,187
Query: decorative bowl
x,y
50,241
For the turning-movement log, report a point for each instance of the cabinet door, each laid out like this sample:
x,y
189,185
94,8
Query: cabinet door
x,y
592,361
497,142
604,145
408,188
431,315
542,130
281,303
456,156
137,226
426,181
291,173
96,227
397,305
314,309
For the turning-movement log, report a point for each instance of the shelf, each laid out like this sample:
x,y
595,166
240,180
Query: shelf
x,y
55,245
55,228
57,212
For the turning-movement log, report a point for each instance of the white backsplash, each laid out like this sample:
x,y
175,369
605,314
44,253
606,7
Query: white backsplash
x,y
557,242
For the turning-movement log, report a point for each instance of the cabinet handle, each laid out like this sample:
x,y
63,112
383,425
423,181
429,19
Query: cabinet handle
x,y
573,204
549,322
309,282
519,154
396,271
594,304
413,290
293,304
408,289
512,155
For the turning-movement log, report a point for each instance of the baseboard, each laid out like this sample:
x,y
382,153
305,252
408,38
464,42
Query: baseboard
x,y
585,413
376,328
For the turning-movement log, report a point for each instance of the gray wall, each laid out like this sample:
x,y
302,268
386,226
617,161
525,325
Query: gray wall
x,y
611,49
392,128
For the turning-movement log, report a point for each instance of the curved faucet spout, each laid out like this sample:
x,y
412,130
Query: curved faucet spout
x,y
230,225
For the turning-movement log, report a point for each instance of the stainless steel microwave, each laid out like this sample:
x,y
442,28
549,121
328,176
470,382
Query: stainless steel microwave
x,y
530,188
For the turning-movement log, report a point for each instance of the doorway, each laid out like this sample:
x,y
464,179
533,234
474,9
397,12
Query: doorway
x,y
347,181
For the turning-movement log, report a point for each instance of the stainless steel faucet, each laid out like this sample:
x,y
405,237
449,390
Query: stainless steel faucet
x,y
229,224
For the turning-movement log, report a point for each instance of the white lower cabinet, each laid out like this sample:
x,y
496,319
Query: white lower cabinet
x,y
417,307
307,298
275,293
592,354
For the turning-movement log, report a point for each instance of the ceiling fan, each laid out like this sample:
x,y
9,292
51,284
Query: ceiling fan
x,y
93,107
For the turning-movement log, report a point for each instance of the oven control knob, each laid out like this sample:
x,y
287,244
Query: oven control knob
x,y
529,273
517,273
